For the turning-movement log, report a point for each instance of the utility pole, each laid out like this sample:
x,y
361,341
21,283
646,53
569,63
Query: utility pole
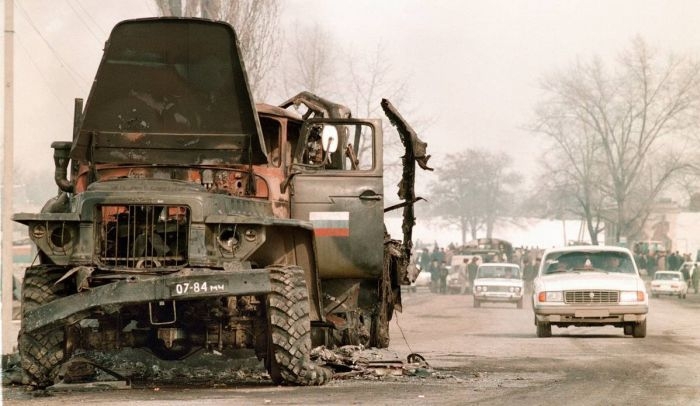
x,y
7,179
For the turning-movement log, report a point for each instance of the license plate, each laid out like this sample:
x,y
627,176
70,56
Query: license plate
x,y
197,287
591,313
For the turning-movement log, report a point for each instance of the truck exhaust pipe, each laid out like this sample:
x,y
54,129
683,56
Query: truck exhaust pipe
x,y
61,151
61,158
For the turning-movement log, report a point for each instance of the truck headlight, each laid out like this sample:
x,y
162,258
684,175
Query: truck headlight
x,y
632,296
60,237
550,296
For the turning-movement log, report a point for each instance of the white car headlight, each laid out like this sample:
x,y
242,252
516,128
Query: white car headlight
x,y
631,296
555,296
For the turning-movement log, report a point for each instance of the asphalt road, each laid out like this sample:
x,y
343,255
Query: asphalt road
x,y
485,356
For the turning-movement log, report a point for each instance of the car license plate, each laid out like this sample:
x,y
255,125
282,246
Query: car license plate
x,y
591,313
197,287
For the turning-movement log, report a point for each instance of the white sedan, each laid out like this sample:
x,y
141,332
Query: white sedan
x,y
590,286
669,283
498,282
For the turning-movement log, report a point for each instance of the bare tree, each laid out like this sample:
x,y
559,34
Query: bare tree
x,y
256,23
474,188
370,78
311,62
623,123
686,185
573,169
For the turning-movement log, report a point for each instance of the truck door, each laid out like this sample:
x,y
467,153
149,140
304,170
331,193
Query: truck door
x,y
340,191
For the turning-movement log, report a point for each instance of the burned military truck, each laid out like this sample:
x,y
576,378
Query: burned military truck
x,y
188,217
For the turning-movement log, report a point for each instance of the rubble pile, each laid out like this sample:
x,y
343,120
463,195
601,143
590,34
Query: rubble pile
x,y
216,369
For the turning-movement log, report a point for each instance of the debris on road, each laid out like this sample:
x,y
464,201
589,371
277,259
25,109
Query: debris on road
x,y
133,368
358,362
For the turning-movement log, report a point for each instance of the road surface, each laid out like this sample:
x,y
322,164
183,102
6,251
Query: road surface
x,y
485,356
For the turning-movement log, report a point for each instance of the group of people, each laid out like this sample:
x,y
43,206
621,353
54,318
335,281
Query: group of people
x,y
436,262
660,260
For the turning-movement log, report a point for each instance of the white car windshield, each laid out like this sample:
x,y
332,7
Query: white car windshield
x,y
577,261
667,276
507,272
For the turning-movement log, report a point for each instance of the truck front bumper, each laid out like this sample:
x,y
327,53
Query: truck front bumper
x,y
187,284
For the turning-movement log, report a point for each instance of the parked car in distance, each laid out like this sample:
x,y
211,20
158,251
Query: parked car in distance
x,y
670,283
498,282
423,280
590,286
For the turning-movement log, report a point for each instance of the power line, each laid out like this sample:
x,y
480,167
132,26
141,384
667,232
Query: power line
x,y
104,33
82,20
43,77
71,72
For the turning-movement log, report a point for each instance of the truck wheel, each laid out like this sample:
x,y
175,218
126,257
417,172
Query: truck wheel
x,y
544,329
520,304
477,303
43,350
289,330
640,330
628,329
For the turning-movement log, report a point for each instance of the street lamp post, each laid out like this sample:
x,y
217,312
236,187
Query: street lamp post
x,y
7,179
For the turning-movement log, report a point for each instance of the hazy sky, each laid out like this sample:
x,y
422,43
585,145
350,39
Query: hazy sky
x,y
474,65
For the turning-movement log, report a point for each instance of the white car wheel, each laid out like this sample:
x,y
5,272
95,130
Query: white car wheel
x,y
640,330
629,329
544,329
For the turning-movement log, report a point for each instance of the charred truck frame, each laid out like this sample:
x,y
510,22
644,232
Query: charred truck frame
x,y
188,217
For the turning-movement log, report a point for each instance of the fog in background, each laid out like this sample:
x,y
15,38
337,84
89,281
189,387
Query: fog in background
x,y
472,67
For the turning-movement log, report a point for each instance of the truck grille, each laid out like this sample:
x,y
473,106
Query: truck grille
x,y
591,296
143,236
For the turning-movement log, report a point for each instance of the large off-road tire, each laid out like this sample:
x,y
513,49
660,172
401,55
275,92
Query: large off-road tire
x,y
41,351
289,330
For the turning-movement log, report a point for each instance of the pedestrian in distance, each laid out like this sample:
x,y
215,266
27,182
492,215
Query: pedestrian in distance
x,y
443,277
471,271
464,276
